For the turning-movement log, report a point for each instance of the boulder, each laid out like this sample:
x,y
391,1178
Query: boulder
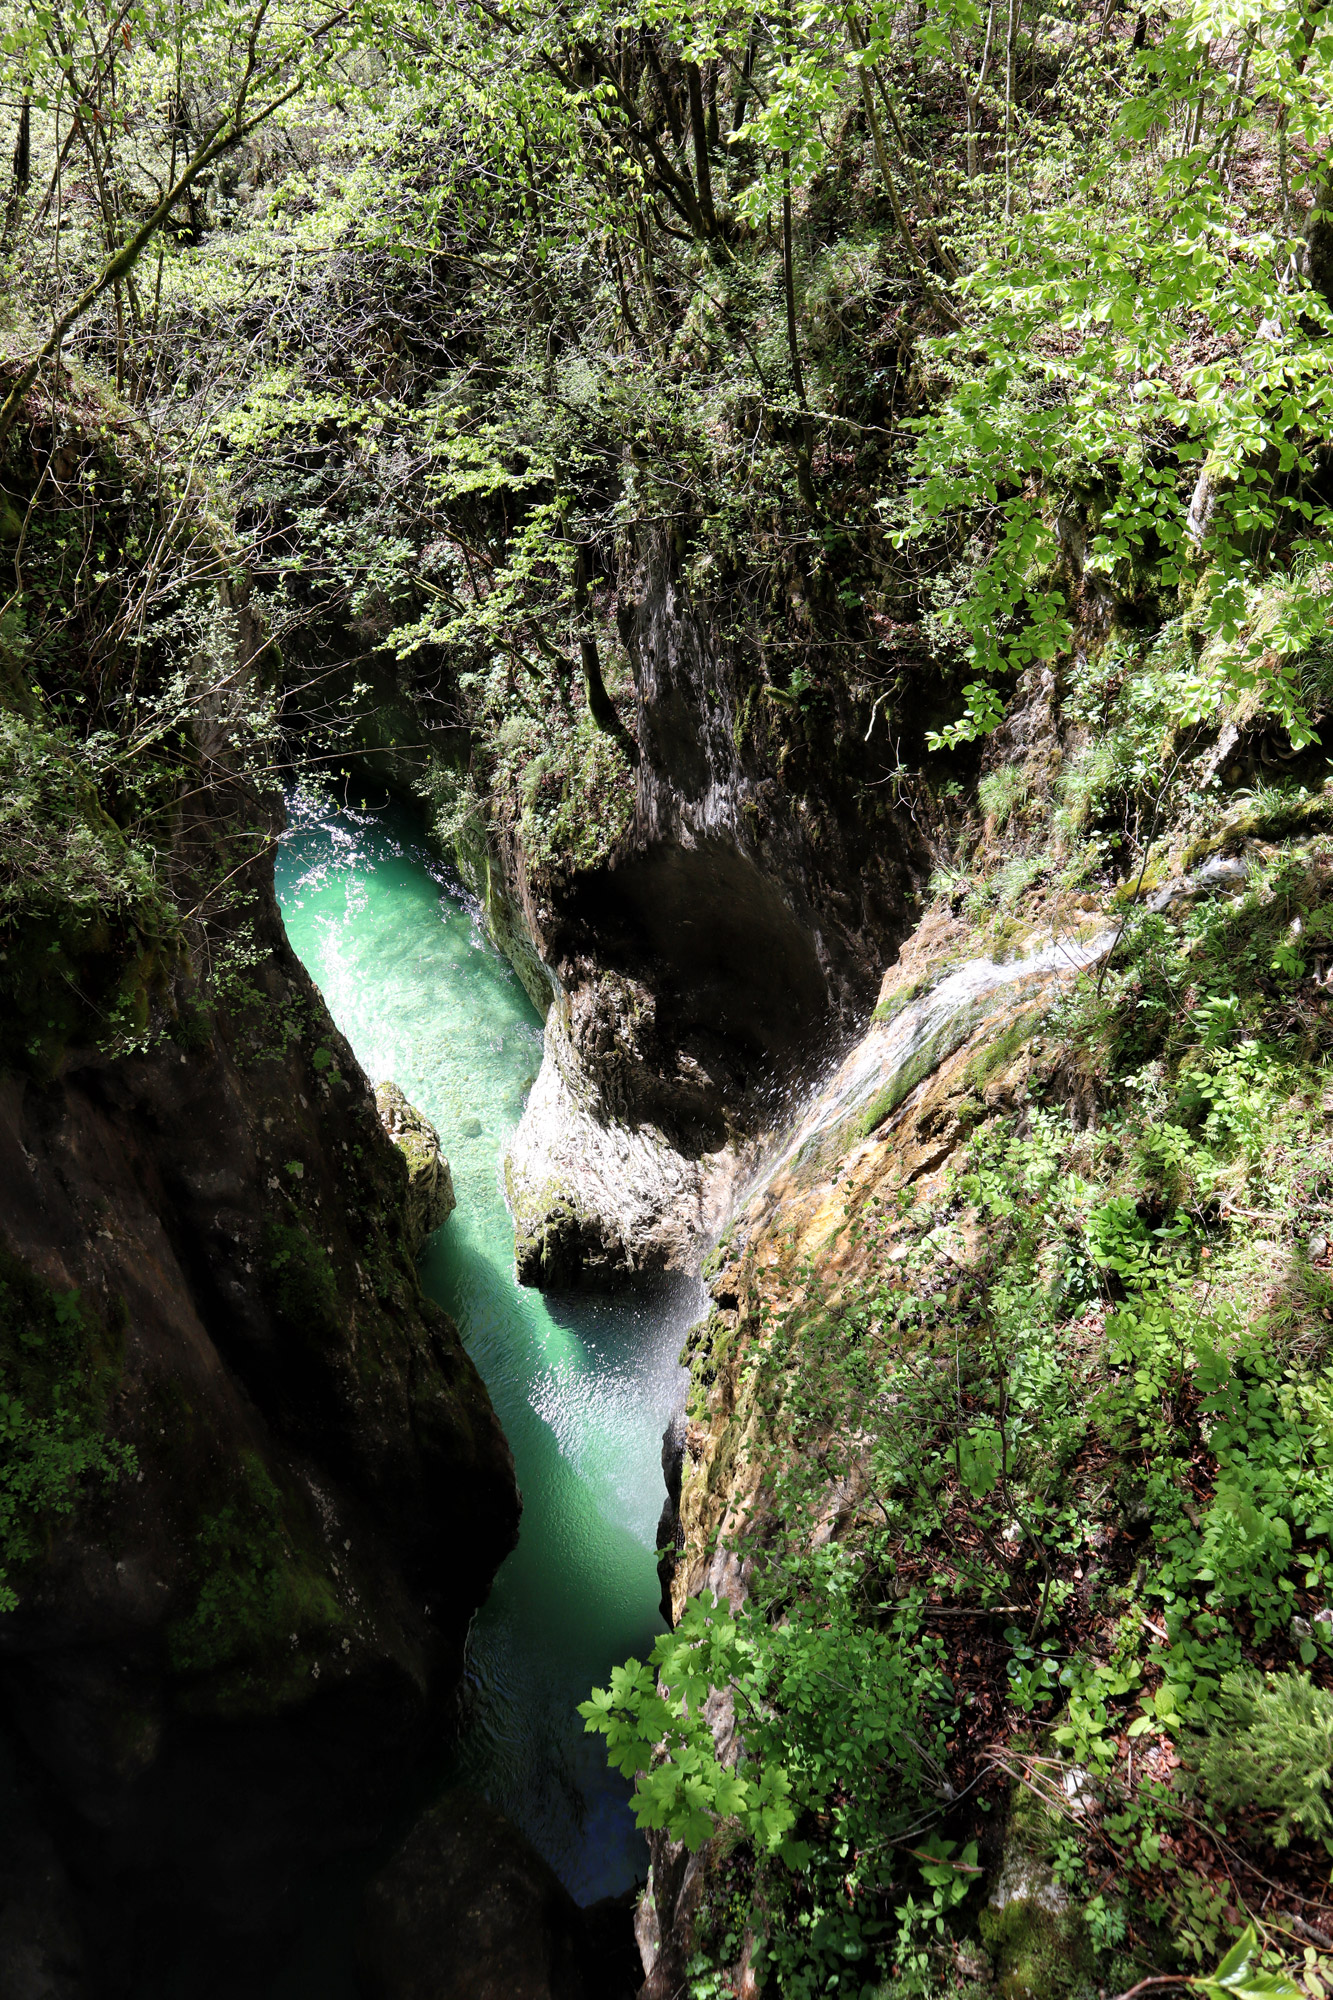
x,y
430,1185
595,1198
468,1910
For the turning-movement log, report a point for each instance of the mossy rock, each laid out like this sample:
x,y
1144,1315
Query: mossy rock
x,y
1039,1942
61,1363
504,917
430,1185
903,996
1278,819
264,1606
87,938
1035,1934
301,1285
553,1236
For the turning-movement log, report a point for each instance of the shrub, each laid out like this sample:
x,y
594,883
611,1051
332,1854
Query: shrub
x,y
57,1365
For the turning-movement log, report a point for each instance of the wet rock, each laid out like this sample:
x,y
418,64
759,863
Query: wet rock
x,y
670,1540
503,903
468,1910
430,1185
594,1198
664,1924
1212,879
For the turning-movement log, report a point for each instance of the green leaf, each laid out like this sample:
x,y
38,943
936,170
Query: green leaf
x,y
1238,1978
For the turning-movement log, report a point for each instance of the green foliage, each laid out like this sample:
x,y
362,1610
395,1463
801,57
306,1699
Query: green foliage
x,y
262,1598
1242,1976
60,853
842,1727
85,928
537,330
1271,1752
803,1751
1065,442
300,1282
58,1363
689,1789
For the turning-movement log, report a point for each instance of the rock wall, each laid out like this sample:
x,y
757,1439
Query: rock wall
x,y
736,933
226,1645
893,1114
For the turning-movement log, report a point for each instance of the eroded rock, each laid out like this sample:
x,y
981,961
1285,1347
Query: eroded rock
x,y
595,1198
430,1185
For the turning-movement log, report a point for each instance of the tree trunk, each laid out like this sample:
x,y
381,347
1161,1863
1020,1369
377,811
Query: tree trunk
x,y
21,175
600,705
699,132
789,277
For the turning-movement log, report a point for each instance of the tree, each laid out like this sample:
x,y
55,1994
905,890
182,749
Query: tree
x,y
248,63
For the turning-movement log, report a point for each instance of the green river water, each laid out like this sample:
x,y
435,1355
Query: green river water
x,y
583,1386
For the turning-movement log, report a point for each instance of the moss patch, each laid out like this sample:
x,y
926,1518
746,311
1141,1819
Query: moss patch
x,y
59,1363
1035,1934
263,1600
902,997
300,1283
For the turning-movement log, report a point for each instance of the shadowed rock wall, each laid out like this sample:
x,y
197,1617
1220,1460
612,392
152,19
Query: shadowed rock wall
x,y
222,1660
735,937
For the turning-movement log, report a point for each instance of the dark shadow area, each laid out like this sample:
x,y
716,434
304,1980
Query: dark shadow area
x,y
739,997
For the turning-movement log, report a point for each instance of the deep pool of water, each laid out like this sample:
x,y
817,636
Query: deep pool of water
x,y
583,1386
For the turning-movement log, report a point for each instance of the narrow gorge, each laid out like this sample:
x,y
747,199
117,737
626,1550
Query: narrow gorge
x,y
666,1054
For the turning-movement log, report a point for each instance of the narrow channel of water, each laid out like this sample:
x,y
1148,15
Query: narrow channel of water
x,y
583,1386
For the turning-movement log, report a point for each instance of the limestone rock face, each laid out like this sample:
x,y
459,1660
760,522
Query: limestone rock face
x,y
223,1659
697,971
595,1198
468,1910
430,1185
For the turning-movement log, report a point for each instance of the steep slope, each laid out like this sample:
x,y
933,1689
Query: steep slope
x,y
1014,1386
253,1487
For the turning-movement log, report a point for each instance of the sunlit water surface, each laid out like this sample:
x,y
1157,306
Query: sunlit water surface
x,y
583,1386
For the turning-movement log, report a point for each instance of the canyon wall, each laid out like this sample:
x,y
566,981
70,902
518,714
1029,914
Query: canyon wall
x,y
731,938
270,1486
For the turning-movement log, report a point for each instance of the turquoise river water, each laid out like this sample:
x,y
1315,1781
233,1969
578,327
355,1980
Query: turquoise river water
x,y
583,1386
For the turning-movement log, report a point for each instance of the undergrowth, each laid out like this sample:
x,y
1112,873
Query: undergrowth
x,y
1051,1512
59,1363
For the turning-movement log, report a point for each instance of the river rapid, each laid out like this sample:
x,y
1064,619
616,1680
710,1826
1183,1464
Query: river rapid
x,y
583,1385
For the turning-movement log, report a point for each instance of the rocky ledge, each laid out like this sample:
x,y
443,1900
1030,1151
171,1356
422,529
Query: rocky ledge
x,y
430,1184
595,1198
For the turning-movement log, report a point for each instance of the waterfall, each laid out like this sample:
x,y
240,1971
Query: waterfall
x,y
893,1056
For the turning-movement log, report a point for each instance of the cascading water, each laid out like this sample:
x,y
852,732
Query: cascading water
x,y
883,1068
583,1386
